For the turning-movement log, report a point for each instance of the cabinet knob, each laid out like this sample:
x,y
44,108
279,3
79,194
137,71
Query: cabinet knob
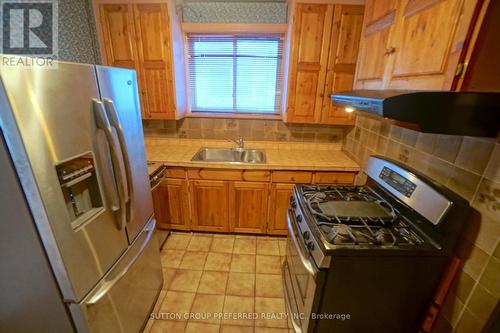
x,y
390,50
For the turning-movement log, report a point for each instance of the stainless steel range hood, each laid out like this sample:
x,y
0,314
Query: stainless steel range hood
x,y
443,112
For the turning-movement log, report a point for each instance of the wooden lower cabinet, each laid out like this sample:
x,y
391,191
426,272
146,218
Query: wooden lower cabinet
x,y
228,201
278,205
209,205
248,207
171,204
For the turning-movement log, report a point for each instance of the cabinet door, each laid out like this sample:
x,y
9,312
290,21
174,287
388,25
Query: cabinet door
x,y
171,204
117,27
308,59
380,16
209,205
431,35
346,32
155,60
280,201
248,207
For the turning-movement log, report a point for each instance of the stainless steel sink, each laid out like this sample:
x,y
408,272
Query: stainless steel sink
x,y
228,155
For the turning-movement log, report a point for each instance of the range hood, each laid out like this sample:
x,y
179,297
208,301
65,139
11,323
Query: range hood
x,y
443,112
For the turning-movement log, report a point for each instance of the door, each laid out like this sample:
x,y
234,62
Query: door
x,y
155,60
308,60
431,35
122,301
209,205
380,16
48,121
278,206
248,207
118,90
171,204
346,32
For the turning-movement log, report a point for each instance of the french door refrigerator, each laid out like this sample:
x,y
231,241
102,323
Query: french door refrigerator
x,y
74,135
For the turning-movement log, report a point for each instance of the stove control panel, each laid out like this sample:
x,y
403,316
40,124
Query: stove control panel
x,y
398,182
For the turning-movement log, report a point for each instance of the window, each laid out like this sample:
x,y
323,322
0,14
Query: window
x,y
236,74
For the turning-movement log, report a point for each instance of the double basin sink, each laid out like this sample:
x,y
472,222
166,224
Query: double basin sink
x,y
230,155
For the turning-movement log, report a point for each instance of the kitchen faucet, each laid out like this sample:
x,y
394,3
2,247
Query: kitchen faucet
x,y
239,141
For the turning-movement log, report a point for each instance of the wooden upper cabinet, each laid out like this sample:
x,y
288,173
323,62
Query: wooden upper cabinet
x,y
118,34
379,18
209,205
248,207
311,29
413,44
144,37
429,43
346,32
155,61
323,52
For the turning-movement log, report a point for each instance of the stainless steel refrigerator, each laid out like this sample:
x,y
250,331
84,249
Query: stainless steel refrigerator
x,y
74,136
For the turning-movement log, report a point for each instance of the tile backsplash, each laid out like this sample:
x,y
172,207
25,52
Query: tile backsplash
x,y
255,130
471,167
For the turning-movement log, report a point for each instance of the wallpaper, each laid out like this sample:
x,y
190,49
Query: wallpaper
x,y
77,32
234,12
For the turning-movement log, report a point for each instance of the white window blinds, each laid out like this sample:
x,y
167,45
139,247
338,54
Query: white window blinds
x,y
235,73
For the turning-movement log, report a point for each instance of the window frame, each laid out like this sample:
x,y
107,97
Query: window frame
x,y
280,80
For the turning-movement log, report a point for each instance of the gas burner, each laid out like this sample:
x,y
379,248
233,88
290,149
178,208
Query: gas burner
x,y
354,216
346,205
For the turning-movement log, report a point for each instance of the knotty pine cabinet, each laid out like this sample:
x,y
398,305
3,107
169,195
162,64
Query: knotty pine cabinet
x,y
414,44
171,204
248,203
323,52
146,37
209,205
278,206
232,200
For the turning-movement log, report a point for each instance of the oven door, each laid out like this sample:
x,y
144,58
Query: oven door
x,y
302,279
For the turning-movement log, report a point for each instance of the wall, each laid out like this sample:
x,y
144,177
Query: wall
x,y
255,130
470,167
233,12
77,33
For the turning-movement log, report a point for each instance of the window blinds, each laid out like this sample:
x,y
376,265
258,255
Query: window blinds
x,y
235,73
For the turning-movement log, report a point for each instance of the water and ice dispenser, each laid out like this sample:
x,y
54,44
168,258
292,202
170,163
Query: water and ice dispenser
x,y
80,188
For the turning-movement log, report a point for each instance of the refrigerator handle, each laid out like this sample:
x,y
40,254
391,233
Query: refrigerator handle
x,y
109,180
115,122
102,122
127,261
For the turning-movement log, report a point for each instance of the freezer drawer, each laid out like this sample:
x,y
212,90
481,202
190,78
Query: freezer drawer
x,y
123,300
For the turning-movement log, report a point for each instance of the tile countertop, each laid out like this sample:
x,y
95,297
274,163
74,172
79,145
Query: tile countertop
x,y
279,155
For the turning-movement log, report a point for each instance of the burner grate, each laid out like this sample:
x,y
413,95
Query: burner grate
x,y
355,216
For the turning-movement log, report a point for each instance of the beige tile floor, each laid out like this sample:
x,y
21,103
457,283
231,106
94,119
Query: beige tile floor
x,y
221,283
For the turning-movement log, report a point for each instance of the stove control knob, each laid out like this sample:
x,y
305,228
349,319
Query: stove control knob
x,y
310,246
299,218
306,235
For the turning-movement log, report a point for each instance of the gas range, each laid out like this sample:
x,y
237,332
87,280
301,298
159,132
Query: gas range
x,y
349,247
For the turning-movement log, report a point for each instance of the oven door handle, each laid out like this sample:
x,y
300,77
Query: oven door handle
x,y
308,265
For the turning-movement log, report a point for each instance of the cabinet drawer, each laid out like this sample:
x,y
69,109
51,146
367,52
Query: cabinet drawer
x,y
334,177
230,174
292,177
175,172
